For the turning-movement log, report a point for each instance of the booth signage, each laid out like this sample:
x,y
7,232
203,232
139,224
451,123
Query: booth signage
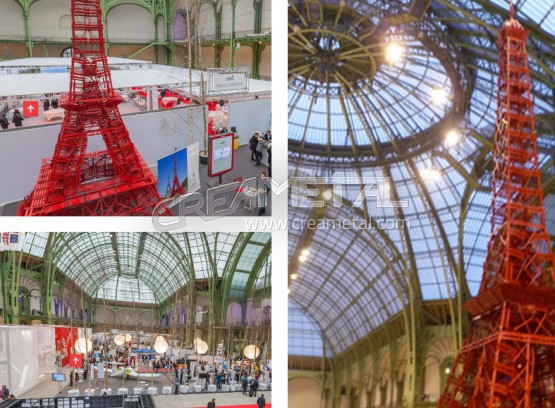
x,y
220,154
30,109
226,82
76,360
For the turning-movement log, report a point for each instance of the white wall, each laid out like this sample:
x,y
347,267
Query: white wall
x,y
23,366
12,23
155,134
244,16
207,20
46,20
266,15
226,18
130,22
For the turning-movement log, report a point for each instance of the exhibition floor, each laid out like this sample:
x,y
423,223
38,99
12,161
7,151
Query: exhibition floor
x,y
244,168
223,400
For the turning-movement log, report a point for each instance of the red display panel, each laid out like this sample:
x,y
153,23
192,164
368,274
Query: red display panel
x,y
64,342
30,109
76,360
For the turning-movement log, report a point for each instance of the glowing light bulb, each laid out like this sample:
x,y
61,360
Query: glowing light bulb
x,y
293,276
393,53
447,370
452,138
305,252
439,97
302,258
327,195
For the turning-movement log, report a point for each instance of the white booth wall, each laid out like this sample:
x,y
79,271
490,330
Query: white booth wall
x,y
155,134
19,363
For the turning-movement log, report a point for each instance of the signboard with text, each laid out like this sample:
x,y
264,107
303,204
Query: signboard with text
x,y
220,154
228,80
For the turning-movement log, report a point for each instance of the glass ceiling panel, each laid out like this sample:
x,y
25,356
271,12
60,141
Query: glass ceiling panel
x,y
125,289
35,243
305,337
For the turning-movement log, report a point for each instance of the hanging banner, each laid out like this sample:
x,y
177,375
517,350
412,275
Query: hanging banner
x,y
100,374
46,345
228,80
12,241
64,343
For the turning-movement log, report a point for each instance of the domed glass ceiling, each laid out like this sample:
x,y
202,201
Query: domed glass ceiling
x,y
438,246
149,267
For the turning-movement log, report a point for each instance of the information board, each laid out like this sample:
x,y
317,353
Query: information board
x,y
220,154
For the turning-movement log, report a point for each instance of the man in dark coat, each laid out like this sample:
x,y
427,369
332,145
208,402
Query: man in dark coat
x,y
261,402
253,143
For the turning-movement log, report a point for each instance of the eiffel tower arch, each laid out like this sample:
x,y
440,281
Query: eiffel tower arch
x,y
115,181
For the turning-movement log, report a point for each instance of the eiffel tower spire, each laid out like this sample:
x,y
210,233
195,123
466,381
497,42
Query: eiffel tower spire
x,y
508,357
177,188
115,181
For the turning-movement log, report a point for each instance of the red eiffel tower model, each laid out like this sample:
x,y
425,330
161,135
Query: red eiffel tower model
x,y
177,188
508,356
115,181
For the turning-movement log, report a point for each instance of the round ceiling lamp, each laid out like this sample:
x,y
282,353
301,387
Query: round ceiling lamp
x,y
119,340
128,338
83,345
161,346
201,347
251,351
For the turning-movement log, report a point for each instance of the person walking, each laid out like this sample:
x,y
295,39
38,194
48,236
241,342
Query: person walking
x,y
253,142
212,404
261,401
17,118
4,122
245,383
254,388
5,393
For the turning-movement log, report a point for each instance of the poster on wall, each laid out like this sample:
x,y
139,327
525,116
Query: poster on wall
x,y
220,154
178,173
12,241
64,338
218,115
173,175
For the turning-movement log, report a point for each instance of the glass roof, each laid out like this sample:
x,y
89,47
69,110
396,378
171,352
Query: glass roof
x,y
305,337
148,267
442,184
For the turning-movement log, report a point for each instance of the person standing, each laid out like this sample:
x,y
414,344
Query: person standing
x,y
46,105
263,191
253,143
219,381
5,393
17,118
245,383
270,161
258,152
212,404
261,402
4,122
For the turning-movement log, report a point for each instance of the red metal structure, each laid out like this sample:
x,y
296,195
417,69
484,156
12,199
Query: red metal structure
x,y
508,357
115,181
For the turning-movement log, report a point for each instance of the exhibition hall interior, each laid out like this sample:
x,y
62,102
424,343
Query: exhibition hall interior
x,y
116,107
426,275
117,319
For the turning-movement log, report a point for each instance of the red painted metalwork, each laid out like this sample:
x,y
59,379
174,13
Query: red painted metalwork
x,y
508,357
115,181
177,188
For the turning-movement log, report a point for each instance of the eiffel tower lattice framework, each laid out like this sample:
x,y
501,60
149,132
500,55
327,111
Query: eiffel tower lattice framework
x,y
508,356
115,181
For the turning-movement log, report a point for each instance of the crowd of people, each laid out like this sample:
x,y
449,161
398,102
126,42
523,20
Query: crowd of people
x,y
257,144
